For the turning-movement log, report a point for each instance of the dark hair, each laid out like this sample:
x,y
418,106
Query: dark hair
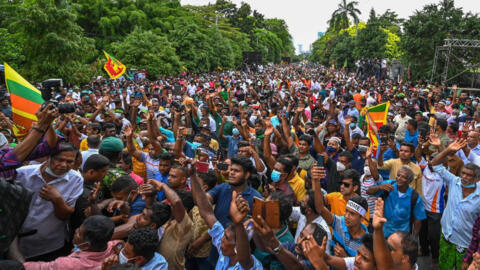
x,y
351,174
360,201
65,147
127,159
144,242
364,138
123,183
187,199
244,162
307,138
412,122
243,144
293,159
93,141
367,241
410,145
166,157
454,126
384,129
95,162
287,164
442,123
161,213
357,136
285,203
98,231
409,246
108,125
112,156
182,169
209,179
95,126
346,154
318,233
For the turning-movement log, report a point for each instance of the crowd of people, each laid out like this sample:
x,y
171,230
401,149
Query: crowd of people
x,y
173,174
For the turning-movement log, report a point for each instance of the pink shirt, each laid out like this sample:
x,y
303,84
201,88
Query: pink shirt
x,y
77,260
137,178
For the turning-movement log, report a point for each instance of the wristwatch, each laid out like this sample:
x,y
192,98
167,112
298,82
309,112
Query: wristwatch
x,y
277,249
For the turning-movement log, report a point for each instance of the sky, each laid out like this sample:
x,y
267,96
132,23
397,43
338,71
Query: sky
x,y
305,18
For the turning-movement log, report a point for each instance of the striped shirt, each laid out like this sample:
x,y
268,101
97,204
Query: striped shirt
x,y
433,191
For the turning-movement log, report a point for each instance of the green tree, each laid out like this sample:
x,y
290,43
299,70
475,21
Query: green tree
x,y
144,49
279,27
11,49
370,43
345,10
53,44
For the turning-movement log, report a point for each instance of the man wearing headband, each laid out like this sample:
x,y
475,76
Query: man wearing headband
x,y
348,229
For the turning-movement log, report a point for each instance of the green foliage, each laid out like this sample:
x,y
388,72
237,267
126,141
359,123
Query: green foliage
x,y
53,44
65,38
144,49
340,17
370,43
11,48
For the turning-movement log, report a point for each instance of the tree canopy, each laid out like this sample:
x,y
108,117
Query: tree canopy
x,y
65,38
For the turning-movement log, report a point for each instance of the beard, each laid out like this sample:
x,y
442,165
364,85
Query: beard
x,y
241,182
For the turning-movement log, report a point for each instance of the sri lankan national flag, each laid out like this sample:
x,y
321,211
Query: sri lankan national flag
x,y
113,67
25,99
378,114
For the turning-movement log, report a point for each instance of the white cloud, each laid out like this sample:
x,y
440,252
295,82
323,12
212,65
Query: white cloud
x,y
305,18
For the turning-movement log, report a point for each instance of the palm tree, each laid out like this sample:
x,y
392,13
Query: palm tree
x,y
340,17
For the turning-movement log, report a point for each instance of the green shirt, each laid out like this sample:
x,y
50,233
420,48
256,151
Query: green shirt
x,y
227,129
268,260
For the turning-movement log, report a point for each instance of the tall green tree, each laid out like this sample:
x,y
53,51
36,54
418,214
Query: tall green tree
x,y
54,45
144,49
344,12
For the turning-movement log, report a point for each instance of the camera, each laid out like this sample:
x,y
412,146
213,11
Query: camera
x,y
63,108
178,106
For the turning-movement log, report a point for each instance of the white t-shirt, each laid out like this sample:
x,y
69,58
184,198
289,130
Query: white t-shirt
x,y
349,262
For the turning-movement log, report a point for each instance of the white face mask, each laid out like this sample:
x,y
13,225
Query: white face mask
x,y
366,171
340,166
122,259
51,173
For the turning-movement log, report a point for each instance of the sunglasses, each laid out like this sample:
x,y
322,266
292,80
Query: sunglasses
x,y
347,185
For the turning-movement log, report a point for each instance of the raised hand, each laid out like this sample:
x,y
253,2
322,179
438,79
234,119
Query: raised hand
x,y
457,145
239,208
318,173
434,140
46,116
268,128
378,218
128,131
313,251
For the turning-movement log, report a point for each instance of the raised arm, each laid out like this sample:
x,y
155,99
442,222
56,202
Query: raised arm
x,y
383,258
346,132
239,210
286,131
178,210
202,202
317,174
267,150
151,135
130,147
452,148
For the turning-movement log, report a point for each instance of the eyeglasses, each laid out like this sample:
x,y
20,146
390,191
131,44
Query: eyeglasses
x,y
347,185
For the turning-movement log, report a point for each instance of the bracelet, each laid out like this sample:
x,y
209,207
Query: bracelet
x,y
277,249
40,130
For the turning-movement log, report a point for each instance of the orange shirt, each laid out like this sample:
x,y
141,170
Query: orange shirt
x,y
358,99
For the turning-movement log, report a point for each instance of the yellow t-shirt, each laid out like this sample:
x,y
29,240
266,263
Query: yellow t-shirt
x,y
393,165
84,145
298,187
338,205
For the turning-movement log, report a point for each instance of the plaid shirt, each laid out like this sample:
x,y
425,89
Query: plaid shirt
x,y
9,162
475,243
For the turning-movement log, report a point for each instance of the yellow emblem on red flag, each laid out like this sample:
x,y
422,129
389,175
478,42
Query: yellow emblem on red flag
x,y
113,67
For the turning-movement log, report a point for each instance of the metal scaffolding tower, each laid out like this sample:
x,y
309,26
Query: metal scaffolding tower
x,y
445,51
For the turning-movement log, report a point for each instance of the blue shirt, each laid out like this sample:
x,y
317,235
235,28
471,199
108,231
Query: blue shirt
x,y
168,133
222,197
217,232
389,154
164,179
398,209
343,237
460,214
232,145
158,262
411,138
358,162
137,206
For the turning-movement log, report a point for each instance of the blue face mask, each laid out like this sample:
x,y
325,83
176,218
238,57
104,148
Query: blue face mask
x,y
352,125
167,110
447,102
474,103
275,176
469,186
331,149
77,247
195,145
